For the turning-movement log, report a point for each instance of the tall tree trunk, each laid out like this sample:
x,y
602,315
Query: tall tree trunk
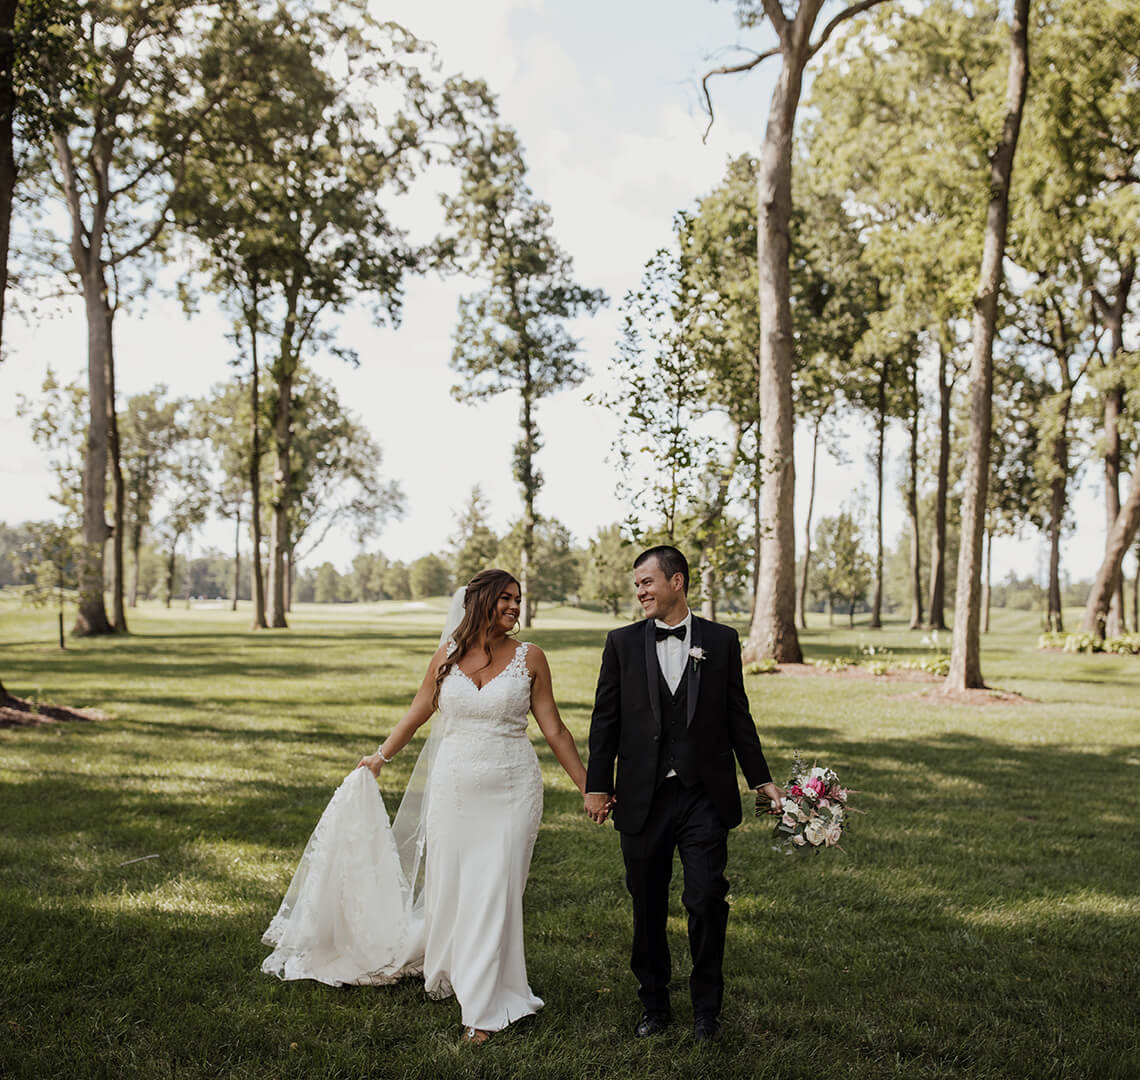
x,y
1136,593
987,591
1113,311
1113,407
851,612
1119,538
876,622
938,543
965,653
773,631
92,618
285,370
118,495
136,545
7,157
807,525
912,509
237,558
757,525
86,253
257,582
1054,619
289,578
170,572
1058,498
524,456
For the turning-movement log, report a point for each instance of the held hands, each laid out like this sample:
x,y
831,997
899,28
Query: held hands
x,y
775,796
597,805
373,763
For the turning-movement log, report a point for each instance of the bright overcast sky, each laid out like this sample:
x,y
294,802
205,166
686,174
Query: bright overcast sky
x,y
604,96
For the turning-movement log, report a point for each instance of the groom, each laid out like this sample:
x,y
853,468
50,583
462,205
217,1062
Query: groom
x,y
671,709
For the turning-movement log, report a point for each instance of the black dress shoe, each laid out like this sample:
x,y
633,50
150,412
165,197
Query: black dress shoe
x,y
652,1023
706,1028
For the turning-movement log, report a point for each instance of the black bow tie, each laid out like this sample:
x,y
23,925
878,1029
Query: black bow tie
x,y
663,632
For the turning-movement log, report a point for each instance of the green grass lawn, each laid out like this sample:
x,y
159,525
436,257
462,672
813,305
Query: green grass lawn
x,y
985,922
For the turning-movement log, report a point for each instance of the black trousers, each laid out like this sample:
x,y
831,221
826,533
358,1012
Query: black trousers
x,y
682,818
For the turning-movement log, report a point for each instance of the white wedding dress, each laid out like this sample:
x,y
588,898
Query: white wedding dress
x,y
352,916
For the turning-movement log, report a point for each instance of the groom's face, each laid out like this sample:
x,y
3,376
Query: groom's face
x,y
660,597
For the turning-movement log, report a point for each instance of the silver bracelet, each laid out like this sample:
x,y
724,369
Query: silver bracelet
x,y
380,755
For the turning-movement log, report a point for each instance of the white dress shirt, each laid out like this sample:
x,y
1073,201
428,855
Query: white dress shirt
x,y
672,652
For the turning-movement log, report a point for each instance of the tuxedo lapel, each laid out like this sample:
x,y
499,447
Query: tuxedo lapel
x,y
695,639
652,670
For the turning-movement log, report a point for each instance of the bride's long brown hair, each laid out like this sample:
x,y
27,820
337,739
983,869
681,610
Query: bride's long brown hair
x,y
480,600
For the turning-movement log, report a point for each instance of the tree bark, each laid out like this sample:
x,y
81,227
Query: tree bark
x,y
965,654
987,591
285,370
279,523
170,572
938,542
876,622
807,526
136,545
757,525
912,511
118,495
257,580
1136,594
1112,311
237,558
1119,538
1058,497
1113,407
86,253
7,156
773,631
529,486
91,618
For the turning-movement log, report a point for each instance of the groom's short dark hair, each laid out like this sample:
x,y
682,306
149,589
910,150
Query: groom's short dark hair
x,y
669,559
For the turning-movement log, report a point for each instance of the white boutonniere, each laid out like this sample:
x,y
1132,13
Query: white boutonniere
x,y
696,654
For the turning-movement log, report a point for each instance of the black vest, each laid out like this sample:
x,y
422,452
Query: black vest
x,y
676,747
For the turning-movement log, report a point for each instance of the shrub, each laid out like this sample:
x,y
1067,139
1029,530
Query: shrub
x,y
765,666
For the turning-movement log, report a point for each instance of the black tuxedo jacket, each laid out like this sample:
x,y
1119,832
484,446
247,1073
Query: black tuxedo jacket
x,y
626,724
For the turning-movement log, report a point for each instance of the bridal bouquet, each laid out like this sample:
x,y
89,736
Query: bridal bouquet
x,y
814,811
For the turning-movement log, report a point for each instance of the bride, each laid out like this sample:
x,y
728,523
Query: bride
x,y
440,891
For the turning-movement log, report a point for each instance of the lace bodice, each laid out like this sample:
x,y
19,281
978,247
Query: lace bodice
x,y
499,708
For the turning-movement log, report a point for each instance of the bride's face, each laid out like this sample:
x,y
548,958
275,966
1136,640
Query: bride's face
x,y
507,609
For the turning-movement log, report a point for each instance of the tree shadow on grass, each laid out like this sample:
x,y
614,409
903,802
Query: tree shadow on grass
x,y
979,926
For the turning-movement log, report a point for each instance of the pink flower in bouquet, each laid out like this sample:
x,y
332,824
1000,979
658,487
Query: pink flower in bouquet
x,y
795,791
833,833
814,788
789,820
